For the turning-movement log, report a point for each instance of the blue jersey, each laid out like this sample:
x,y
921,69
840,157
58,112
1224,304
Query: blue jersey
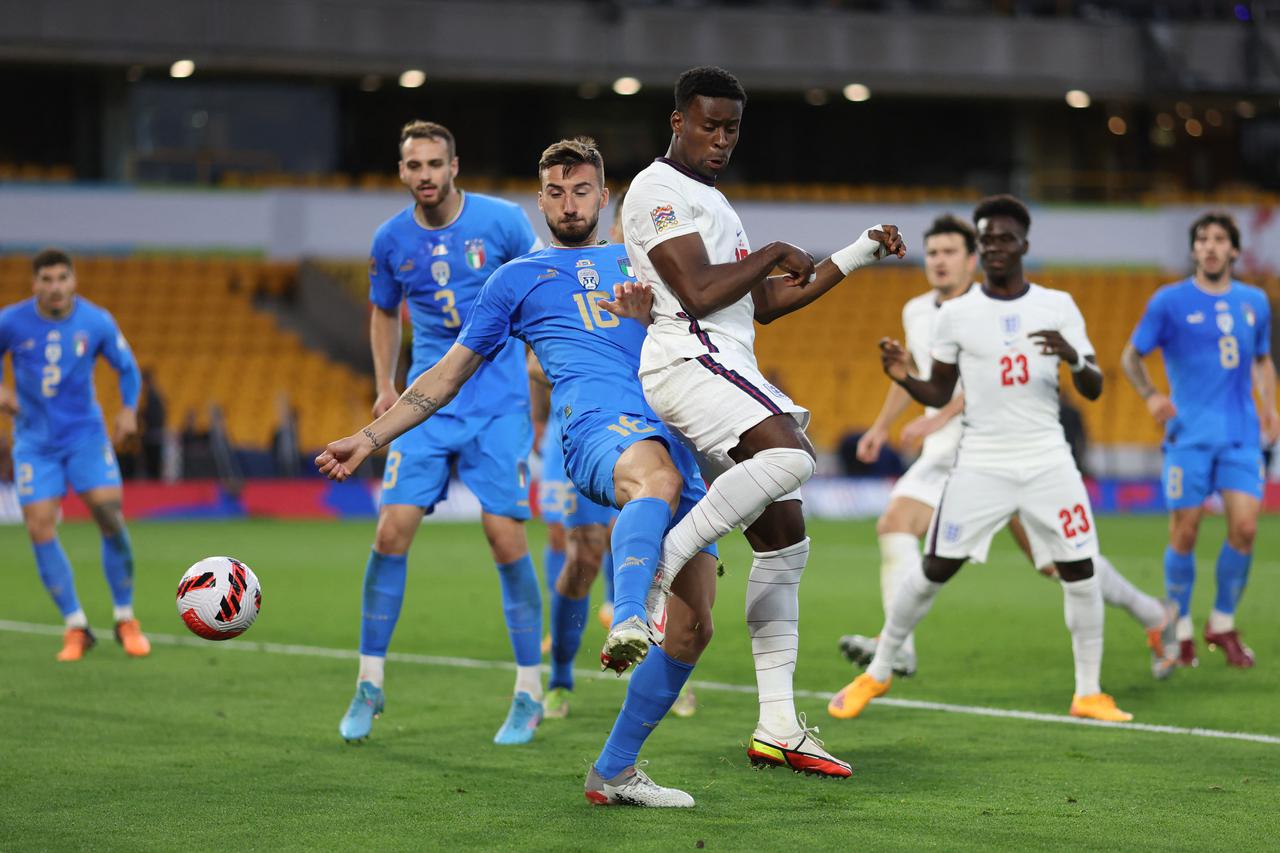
x,y
53,365
1209,345
439,272
550,300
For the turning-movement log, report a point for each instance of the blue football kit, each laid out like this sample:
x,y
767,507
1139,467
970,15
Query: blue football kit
x,y
485,430
1209,343
559,500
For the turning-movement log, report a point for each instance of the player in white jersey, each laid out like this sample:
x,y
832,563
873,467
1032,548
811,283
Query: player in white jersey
x,y
699,373
1006,339
950,249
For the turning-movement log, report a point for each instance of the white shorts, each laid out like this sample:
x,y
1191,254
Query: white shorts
x,y
713,399
924,480
1052,502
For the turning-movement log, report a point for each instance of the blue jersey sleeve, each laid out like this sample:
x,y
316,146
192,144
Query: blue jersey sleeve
x,y
118,354
4,340
1261,347
1152,329
384,290
488,327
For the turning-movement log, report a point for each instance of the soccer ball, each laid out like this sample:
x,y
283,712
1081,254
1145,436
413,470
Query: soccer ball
x,y
218,598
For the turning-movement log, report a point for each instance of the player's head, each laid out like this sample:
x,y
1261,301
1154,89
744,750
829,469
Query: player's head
x,y
707,119
1003,223
428,161
53,281
573,193
1215,244
950,253
615,227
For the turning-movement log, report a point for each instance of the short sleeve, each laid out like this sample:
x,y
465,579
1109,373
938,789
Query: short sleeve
x,y
1073,330
384,290
1262,328
655,210
488,326
1152,328
946,347
520,237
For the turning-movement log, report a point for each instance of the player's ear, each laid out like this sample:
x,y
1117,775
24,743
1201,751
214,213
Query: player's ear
x,y
677,121
604,198
453,167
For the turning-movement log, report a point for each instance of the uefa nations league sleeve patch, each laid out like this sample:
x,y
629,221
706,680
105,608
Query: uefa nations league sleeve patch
x,y
664,218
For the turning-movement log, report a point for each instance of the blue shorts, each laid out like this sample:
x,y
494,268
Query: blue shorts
x,y
1191,474
559,500
491,455
88,463
593,441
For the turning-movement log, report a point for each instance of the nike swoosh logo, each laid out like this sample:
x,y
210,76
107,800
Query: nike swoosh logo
x,y
661,627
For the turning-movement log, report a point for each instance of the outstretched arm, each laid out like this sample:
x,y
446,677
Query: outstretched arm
x,y
778,296
934,391
428,394
704,288
1159,405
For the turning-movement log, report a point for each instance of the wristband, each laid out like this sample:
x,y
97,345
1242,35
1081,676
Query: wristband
x,y
859,253
1080,365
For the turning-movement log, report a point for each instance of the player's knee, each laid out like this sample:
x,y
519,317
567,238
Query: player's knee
x,y
109,518
1241,532
894,520
789,463
1076,570
1183,534
393,537
664,482
556,539
42,529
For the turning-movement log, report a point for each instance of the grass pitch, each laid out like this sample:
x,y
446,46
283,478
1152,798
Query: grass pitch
x,y
204,746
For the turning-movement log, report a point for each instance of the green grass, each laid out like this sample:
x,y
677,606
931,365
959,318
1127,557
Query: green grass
x,y
201,747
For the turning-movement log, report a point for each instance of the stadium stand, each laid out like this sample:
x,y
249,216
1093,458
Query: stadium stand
x,y
193,323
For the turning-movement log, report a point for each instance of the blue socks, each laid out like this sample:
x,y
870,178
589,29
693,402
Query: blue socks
x,y
653,690
55,574
606,571
1232,575
637,544
117,565
384,579
522,606
552,563
1179,578
568,620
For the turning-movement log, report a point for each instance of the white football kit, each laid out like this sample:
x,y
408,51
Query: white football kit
x,y
1012,455
699,375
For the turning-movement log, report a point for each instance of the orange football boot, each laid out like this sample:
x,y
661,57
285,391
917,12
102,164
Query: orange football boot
x,y
129,634
850,701
75,642
1098,706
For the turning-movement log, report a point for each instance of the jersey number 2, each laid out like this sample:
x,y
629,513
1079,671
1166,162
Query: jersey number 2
x,y
1013,370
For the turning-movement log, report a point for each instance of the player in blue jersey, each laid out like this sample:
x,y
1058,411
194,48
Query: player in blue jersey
x,y
435,255
577,546
1215,335
616,450
60,438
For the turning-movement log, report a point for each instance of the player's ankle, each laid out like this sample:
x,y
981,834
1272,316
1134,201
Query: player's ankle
x,y
122,613
76,620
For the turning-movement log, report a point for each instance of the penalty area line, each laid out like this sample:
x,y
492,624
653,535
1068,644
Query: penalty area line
x,y
473,663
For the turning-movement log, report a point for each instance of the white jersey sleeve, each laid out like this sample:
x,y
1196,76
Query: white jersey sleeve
x,y
946,348
1073,330
657,209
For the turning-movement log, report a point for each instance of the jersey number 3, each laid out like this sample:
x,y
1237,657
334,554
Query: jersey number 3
x,y
1013,370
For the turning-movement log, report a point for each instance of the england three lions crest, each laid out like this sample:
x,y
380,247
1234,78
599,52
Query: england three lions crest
x,y
475,253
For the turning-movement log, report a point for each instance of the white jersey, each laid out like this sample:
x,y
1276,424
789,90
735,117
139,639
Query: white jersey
x,y
919,317
666,200
1010,389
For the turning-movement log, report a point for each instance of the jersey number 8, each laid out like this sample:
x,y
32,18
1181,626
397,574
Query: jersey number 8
x,y
1229,351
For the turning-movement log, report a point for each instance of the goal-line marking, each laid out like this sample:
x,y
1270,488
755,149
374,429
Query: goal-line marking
x,y
473,663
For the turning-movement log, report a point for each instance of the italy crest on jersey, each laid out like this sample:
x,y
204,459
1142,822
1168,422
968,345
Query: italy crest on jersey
x,y
81,344
624,266
475,253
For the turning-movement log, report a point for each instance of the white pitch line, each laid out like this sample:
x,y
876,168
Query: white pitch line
x,y
473,663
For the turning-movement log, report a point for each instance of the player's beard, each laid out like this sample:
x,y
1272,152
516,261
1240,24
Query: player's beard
x,y
574,232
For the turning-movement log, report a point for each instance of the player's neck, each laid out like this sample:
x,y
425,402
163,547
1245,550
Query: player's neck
x,y
441,214
1010,287
56,315
587,243
675,161
942,294
1216,286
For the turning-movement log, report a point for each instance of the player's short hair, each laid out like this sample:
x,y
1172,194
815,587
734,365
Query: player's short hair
x,y
1217,217
50,258
707,80
419,129
570,152
1003,205
949,223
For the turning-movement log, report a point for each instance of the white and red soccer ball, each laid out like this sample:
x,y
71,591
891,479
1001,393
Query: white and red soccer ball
x,y
218,598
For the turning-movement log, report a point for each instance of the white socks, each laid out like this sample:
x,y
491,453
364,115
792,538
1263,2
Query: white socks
x,y
1082,606
1184,630
737,496
911,601
899,556
76,620
122,614
529,680
1118,592
371,669
773,614
1220,622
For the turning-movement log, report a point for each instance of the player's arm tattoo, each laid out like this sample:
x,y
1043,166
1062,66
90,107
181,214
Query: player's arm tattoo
x,y
1136,372
424,405
373,438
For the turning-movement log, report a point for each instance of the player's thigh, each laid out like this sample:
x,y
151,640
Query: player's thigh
x,y
715,400
689,622
614,457
38,476
91,464
494,464
1055,509
914,496
41,519
506,537
1186,477
418,464
974,505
